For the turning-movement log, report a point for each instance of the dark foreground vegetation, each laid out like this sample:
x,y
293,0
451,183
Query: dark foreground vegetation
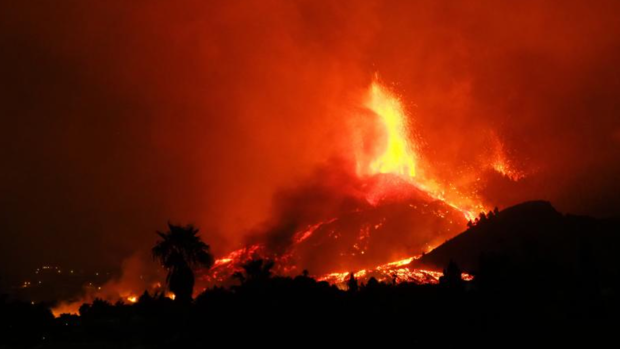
x,y
496,308
559,286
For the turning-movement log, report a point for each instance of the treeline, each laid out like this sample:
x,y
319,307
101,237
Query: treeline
x,y
522,293
451,313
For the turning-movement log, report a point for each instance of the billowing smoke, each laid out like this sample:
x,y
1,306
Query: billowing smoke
x,y
139,274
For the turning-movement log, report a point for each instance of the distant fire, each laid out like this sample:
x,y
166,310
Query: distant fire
x,y
170,295
74,306
132,299
66,308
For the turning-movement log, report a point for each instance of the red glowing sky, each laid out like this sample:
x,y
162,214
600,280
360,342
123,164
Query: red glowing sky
x,y
119,116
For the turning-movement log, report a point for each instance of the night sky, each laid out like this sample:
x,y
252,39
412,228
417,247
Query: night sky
x,y
119,116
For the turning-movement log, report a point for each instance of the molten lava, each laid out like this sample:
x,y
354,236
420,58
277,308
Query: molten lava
x,y
397,156
394,272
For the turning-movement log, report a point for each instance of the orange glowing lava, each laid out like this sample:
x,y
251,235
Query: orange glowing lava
x,y
394,272
398,156
72,308
132,299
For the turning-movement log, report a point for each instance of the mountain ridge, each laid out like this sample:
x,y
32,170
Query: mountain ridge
x,y
530,235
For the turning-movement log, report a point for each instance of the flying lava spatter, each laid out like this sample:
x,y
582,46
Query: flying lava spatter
x,y
398,157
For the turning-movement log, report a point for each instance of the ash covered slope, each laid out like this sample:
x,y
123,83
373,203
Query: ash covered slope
x,y
534,236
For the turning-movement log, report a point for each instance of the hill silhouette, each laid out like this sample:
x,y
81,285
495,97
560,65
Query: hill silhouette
x,y
534,238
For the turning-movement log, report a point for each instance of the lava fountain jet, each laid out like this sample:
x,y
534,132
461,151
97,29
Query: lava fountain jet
x,y
398,157
373,220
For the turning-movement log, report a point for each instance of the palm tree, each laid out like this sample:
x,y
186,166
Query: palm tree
x,y
180,250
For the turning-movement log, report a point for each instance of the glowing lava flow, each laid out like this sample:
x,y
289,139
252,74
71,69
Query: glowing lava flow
x,y
395,272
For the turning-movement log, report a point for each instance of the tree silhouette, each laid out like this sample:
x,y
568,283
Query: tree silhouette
x,y
255,270
179,251
352,283
452,276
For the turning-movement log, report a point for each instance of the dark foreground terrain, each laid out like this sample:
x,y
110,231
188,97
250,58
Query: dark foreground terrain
x,y
541,278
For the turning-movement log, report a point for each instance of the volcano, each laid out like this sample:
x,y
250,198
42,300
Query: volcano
x,y
369,211
369,215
